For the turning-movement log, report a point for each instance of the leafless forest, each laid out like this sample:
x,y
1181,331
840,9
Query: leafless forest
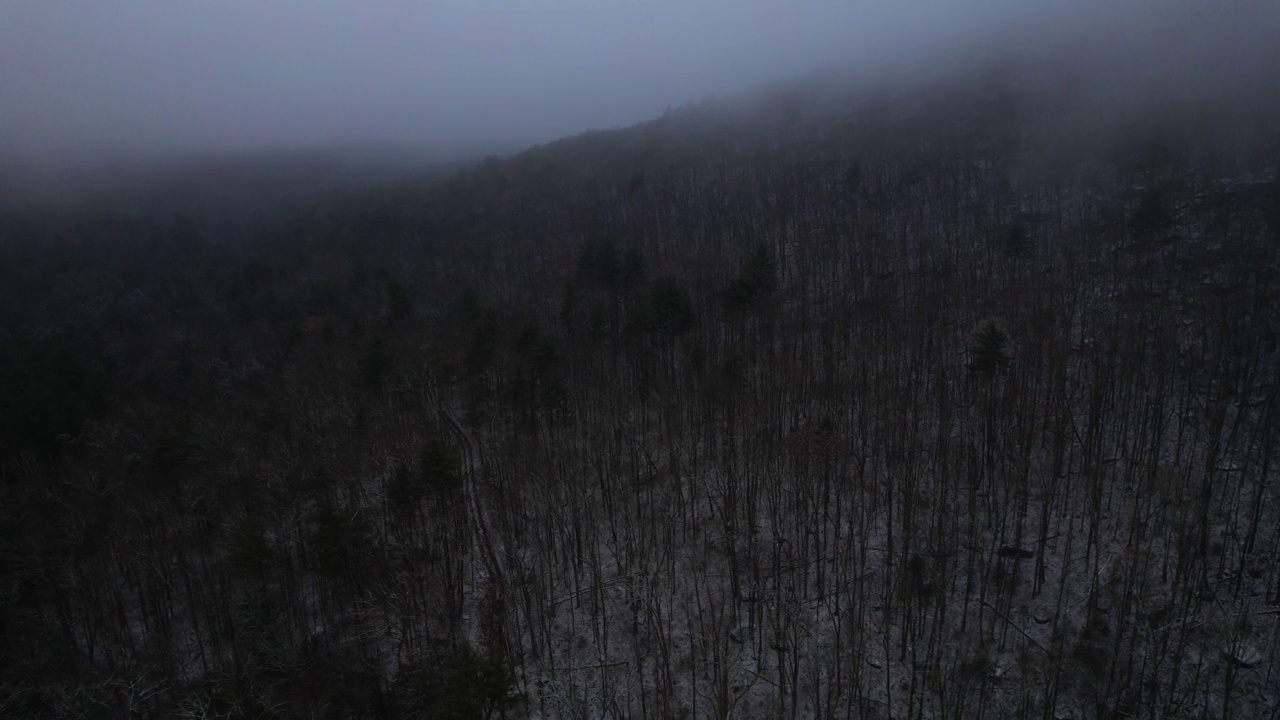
x,y
949,399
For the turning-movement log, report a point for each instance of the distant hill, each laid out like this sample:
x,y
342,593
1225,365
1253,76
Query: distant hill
x,y
218,183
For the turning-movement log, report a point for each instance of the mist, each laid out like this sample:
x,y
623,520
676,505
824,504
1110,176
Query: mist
x,y
154,77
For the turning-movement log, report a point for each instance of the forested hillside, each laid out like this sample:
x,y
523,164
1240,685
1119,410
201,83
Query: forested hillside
x,y
954,398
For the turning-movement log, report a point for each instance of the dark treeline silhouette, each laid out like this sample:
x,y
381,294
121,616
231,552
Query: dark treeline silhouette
x,y
911,404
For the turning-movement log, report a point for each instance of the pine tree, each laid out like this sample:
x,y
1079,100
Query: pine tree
x,y
399,306
988,353
670,310
755,285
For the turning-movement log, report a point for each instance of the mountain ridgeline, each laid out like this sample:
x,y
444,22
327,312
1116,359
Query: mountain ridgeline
x,y
952,397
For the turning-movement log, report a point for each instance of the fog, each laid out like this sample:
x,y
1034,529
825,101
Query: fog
x,y
92,81
155,76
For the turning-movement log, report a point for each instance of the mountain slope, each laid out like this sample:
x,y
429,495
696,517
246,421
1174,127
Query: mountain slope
x,y
947,396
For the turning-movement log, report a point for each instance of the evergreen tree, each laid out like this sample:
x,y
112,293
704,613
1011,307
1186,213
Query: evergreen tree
x,y
755,286
669,311
988,353
399,306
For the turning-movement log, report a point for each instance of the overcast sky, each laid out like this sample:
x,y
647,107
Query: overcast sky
x,y
85,76
80,78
